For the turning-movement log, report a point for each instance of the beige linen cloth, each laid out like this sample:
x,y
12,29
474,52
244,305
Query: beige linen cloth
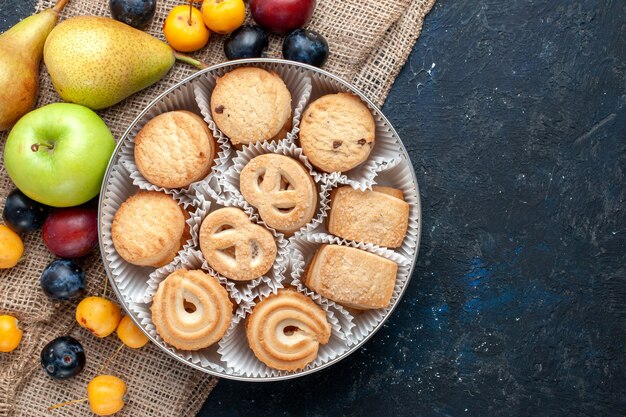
x,y
369,42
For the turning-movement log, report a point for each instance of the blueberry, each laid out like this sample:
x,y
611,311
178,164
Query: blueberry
x,y
63,357
307,46
246,42
63,280
136,13
22,214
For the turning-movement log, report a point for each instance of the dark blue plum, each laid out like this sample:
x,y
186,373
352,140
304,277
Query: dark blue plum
x,y
306,46
63,280
22,214
136,13
63,357
246,42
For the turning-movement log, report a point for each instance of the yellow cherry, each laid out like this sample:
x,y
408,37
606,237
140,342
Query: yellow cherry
x,y
130,334
223,16
11,247
106,394
98,315
10,333
184,29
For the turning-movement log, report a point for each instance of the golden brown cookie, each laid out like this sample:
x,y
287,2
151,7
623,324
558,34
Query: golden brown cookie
x,y
149,229
282,191
337,132
379,216
286,329
352,277
234,246
250,105
174,149
191,310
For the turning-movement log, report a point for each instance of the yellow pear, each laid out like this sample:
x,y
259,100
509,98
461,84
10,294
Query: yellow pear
x,y
20,53
98,62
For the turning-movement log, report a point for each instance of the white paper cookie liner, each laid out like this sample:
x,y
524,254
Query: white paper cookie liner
x,y
207,358
266,284
231,180
237,355
130,279
182,98
386,147
365,321
296,79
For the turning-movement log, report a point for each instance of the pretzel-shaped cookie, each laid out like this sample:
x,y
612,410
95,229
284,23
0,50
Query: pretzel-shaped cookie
x,y
281,190
234,246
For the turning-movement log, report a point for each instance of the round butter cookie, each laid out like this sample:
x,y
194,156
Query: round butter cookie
x,y
337,132
174,149
250,105
191,310
286,329
149,229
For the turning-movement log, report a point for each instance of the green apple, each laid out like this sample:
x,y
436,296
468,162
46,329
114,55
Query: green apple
x,y
57,154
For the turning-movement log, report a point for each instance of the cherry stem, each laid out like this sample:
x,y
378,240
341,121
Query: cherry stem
x,y
189,60
54,407
58,7
106,281
104,365
190,9
35,146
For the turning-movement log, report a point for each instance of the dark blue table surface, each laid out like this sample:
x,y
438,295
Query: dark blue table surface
x,y
514,115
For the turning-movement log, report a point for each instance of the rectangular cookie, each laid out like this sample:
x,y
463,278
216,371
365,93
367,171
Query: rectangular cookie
x,y
379,216
352,277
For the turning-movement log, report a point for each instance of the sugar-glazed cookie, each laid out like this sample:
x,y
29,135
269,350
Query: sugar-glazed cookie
x,y
234,246
285,330
191,310
337,132
282,191
250,105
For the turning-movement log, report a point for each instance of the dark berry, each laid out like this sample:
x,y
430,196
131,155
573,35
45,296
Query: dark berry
x,y
63,358
136,13
306,46
246,42
63,280
22,214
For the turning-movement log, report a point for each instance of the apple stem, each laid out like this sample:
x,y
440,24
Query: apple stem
x,y
35,146
58,7
189,60
54,407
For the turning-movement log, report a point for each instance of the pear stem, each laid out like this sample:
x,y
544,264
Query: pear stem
x,y
58,7
54,407
189,60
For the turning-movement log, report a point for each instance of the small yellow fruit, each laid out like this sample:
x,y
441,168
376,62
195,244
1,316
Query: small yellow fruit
x,y
130,334
11,247
98,315
223,16
106,394
185,32
10,334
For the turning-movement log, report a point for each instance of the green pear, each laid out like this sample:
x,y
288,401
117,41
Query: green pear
x,y
20,53
98,62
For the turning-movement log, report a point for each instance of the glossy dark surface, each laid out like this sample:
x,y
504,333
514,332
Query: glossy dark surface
x,y
514,116
249,41
23,214
306,46
63,357
136,13
63,280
